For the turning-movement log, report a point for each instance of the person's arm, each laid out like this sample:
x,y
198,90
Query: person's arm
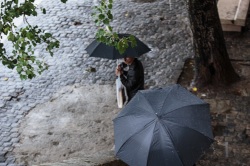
x,y
131,81
118,71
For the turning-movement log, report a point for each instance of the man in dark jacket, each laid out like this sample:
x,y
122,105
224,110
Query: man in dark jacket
x,y
132,75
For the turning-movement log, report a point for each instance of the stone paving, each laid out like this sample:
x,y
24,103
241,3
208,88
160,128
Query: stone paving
x,y
164,27
161,25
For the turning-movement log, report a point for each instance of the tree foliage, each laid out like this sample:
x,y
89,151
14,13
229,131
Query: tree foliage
x,y
24,40
103,17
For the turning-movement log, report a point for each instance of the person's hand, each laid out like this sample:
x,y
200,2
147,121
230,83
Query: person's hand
x,y
118,70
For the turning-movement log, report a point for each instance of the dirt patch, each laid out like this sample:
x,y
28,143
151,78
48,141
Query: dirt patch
x,y
239,88
230,116
76,123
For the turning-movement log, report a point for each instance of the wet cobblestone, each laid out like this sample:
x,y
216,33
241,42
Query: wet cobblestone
x,y
168,34
70,63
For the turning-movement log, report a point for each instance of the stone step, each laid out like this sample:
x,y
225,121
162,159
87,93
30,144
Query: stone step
x,y
233,14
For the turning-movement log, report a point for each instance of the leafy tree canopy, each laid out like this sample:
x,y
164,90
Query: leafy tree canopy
x,y
24,40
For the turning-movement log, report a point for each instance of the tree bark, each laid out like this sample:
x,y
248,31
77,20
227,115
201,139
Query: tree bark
x,y
212,63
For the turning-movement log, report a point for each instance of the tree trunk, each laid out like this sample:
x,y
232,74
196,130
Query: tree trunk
x,y
212,63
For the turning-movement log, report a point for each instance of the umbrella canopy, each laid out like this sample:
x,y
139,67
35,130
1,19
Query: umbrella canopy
x,y
166,127
101,50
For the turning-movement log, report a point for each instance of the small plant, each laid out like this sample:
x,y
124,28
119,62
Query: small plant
x,y
103,17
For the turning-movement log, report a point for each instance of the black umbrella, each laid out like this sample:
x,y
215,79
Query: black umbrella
x,y
101,50
163,127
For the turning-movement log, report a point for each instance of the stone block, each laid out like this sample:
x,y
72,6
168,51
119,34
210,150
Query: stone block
x,y
2,158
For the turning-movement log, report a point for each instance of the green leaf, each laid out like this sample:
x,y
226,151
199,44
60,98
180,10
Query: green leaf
x,y
103,3
102,39
44,11
119,45
132,40
106,21
125,43
34,13
96,21
110,6
6,30
23,77
11,66
63,1
110,16
101,16
109,28
11,37
19,69
1,26
31,75
101,32
30,35
47,35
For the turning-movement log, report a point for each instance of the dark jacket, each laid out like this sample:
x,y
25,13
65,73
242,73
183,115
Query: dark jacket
x,y
133,79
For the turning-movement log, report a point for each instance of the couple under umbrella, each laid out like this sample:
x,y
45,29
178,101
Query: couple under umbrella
x,y
166,126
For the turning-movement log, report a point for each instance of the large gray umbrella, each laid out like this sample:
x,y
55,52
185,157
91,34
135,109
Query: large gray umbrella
x,y
163,127
101,50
